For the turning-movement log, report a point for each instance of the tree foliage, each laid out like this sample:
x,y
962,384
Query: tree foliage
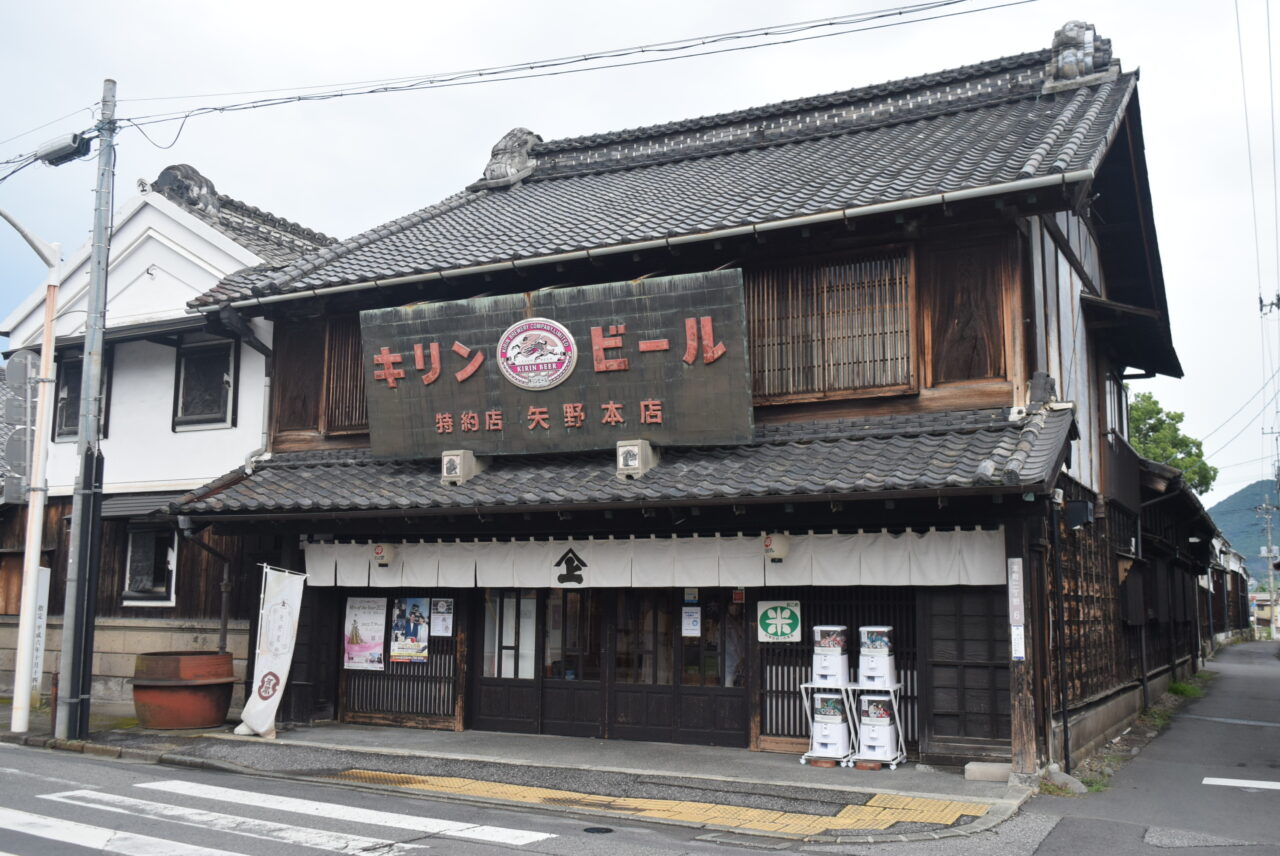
x,y
1156,434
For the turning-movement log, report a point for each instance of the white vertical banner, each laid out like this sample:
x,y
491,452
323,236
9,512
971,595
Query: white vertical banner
x,y
42,622
277,630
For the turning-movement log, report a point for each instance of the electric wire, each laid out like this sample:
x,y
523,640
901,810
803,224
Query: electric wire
x,y
671,45
470,78
511,72
46,124
1247,425
1247,402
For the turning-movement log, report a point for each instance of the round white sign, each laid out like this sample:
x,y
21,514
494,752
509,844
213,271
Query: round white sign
x,y
537,353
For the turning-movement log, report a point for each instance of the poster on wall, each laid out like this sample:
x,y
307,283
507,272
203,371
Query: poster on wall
x,y
691,621
441,616
363,633
778,621
410,630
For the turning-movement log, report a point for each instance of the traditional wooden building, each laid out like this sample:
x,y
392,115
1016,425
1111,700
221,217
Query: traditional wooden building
x,y
627,405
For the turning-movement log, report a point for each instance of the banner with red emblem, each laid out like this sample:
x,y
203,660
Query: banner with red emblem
x,y
277,630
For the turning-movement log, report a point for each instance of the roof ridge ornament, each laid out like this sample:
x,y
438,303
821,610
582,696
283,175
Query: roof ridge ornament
x,y
509,161
185,185
1080,58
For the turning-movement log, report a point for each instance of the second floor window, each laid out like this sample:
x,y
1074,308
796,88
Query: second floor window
x,y
66,413
832,330
205,386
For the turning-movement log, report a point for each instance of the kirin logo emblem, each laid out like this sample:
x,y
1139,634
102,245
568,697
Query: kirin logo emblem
x,y
537,354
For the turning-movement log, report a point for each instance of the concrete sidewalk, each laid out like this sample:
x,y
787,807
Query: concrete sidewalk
x,y
732,790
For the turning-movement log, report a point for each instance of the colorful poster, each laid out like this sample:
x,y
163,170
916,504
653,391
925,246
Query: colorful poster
x,y
277,630
410,631
364,630
442,616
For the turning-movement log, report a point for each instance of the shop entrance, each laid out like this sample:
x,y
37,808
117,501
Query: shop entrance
x,y
638,664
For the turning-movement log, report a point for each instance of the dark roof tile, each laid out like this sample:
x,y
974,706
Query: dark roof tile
x,y
925,453
971,127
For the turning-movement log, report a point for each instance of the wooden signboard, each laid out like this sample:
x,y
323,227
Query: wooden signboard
x,y
559,370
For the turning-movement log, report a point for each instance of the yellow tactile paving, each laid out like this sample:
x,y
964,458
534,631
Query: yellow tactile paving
x,y
880,812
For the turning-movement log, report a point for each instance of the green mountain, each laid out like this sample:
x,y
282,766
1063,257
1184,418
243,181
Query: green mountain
x,y
1240,523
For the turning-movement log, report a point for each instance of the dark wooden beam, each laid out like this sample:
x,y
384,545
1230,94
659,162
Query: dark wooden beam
x,y
1064,246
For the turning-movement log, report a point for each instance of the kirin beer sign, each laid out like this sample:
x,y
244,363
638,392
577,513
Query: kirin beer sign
x,y
567,369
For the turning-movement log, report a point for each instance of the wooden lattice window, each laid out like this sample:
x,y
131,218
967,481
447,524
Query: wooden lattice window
x,y
833,329
344,411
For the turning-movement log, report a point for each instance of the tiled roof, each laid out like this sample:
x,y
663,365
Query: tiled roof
x,y
938,453
273,239
970,127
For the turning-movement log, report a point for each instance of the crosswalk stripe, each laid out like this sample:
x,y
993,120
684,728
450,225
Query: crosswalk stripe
x,y
337,811
339,842
98,838
10,771
1243,783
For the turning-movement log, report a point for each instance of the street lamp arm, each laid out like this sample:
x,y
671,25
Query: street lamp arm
x,y
48,253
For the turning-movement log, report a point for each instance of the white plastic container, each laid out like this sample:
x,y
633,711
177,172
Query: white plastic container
x,y
876,640
831,655
831,638
875,670
875,709
877,732
830,733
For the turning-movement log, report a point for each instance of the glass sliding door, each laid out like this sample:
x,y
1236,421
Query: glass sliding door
x,y
506,696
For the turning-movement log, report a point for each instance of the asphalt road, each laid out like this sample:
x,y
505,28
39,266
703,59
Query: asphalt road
x,y
1208,786
66,804
1158,804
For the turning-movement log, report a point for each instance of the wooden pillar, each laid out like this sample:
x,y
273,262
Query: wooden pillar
x,y
1022,707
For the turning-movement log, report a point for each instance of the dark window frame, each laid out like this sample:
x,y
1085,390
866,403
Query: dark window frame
x,y
180,422
57,433
160,592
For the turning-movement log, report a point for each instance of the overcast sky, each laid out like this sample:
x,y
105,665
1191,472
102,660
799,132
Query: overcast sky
x,y
343,166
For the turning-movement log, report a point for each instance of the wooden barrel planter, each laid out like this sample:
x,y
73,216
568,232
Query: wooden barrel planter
x,y
182,689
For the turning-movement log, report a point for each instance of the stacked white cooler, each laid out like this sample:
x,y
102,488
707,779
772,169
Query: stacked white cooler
x,y
831,655
875,658
830,732
877,732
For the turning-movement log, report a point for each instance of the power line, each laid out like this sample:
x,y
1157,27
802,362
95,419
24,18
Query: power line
x,y
474,77
1247,424
559,66
672,45
1242,407
46,124
1248,141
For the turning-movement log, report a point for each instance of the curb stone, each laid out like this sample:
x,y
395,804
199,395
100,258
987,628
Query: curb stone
x,y
103,750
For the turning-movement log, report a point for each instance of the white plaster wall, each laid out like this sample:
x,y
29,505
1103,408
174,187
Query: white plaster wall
x,y
141,450
161,257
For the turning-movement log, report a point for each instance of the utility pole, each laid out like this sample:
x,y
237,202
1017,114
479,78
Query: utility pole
x,y
1264,511
78,613
25,671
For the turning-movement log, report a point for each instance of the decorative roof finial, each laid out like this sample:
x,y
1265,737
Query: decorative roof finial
x,y
185,185
509,162
1078,52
